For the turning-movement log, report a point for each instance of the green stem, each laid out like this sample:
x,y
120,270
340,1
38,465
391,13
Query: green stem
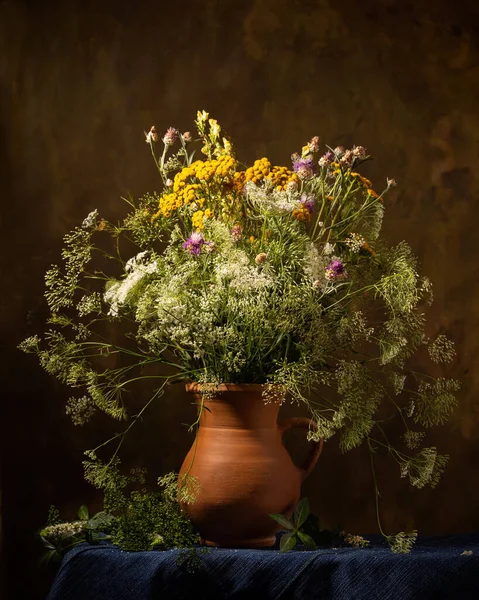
x,y
376,490
156,161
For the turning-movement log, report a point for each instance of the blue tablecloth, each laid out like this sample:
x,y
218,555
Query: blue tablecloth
x,y
437,568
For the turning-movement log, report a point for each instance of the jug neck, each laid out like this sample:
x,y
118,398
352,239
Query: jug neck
x,y
237,406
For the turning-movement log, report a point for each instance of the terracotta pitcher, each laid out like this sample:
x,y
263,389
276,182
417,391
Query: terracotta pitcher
x,y
242,467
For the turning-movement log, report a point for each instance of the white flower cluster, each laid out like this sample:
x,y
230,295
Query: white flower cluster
x,y
271,201
398,382
328,249
80,410
315,263
89,303
355,242
235,270
90,220
136,261
30,344
53,532
402,542
119,292
425,468
442,349
412,439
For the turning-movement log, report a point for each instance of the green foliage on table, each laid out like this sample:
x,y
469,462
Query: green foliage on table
x,y
135,520
59,536
304,528
152,522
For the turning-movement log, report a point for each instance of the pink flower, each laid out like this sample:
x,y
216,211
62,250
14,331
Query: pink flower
x,y
194,243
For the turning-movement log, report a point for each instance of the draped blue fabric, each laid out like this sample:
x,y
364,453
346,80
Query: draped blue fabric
x,y
437,568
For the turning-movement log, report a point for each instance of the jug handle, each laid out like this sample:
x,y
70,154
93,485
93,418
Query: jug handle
x,y
313,456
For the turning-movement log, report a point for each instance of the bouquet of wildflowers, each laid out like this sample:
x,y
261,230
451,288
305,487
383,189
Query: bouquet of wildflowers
x,y
251,274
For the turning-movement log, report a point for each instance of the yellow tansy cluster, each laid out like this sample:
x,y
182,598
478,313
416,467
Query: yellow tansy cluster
x,y
301,214
279,176
185,195
239,179
184,192
367,184
207,170
182,177
199,217
204,171
168,204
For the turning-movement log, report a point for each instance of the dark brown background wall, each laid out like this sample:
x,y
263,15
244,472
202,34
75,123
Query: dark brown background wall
x,y
80,82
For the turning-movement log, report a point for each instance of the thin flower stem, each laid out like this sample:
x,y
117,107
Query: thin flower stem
x,y
156,161
376,489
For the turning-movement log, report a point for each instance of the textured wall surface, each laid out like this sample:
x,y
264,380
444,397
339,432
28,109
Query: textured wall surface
x,y
80,82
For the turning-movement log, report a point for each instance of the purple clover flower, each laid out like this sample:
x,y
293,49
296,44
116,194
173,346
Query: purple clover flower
x,y
304,167
347,158
359,151
194,243
326,159
236,233
335,269
170,136
308,202
314,144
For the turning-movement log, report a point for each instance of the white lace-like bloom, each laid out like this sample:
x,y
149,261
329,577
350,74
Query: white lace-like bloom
x,y
89,303
90,220
355,242
314,264
53,532
118,293
135,260
270,200
236,269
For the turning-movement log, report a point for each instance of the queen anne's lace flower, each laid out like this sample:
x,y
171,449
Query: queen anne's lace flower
x,y
90,220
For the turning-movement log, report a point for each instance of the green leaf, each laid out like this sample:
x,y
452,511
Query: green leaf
x,y
48,557
301,513
282,520
287,542
94,537
46,543
100,520
83,513
307,539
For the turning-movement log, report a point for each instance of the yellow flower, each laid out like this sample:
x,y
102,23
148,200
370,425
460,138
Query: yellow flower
x,y
198,218
214,128
280,177
367,247
305,151
227,146
202,116
365,182
301,214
